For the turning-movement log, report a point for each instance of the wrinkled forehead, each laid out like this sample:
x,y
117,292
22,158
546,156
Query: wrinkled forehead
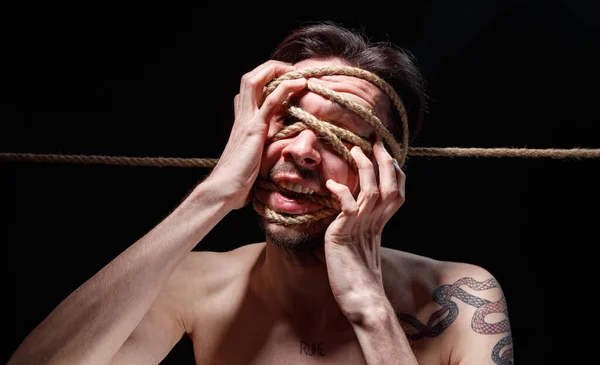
x,y
356,89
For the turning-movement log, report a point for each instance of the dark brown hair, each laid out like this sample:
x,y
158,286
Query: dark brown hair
x,y
392,63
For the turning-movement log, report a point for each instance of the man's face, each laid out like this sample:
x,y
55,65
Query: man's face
x,y
304,162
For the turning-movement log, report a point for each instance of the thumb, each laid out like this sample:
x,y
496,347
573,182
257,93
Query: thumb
x,y
342,192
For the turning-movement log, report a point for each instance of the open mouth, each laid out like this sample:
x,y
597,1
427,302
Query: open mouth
x,y
291,198
294,189
292,195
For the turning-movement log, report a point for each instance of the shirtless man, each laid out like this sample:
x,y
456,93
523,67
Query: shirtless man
x,y
320,292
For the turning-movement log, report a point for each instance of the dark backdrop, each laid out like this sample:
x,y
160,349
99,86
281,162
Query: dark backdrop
x,y
160,81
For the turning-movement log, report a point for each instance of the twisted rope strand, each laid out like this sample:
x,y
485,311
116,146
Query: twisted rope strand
x,y
342,133
108,160
554,153
273,216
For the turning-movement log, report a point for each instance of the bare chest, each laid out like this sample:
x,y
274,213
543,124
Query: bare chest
x,y
248,342
264,345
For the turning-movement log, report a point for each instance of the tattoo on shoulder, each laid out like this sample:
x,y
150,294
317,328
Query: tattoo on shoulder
x,y
440,320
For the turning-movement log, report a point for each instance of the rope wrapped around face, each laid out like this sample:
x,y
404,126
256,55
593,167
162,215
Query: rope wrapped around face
x,y
332,134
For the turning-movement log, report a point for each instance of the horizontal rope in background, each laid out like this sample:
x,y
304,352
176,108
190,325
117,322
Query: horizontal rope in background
x,y
578,153
108,160
575,153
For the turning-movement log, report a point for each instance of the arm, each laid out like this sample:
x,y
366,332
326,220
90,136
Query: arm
x,y
91,324
475,323
115,315
352,255
381,338
482,330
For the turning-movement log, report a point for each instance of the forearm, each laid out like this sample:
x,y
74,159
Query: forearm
x,y
381,338
91,324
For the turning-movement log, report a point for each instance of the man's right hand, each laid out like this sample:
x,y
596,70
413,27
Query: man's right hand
x,y
239,164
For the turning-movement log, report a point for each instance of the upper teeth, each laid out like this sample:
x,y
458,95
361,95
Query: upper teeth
x,y
295,187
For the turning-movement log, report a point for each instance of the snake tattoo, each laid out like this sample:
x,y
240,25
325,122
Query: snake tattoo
x,y
449,312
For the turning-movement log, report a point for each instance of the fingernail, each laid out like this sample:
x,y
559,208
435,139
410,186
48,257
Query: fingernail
x,y
396,164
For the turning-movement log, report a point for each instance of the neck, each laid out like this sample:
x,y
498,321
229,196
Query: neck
x,y
296,287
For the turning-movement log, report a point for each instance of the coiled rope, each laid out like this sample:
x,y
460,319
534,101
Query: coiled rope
x,y
332,134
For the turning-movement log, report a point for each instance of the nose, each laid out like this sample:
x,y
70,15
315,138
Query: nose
x,y
303,149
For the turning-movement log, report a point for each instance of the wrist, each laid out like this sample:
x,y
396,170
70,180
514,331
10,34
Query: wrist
x,y
227,189
370,313
212,192
382,339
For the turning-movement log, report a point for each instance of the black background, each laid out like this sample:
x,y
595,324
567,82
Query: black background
x,y
160,81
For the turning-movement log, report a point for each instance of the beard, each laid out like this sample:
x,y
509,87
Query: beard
x,y
298,239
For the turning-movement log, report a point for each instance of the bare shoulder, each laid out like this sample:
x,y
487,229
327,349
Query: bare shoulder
x,y
409,278
460,303
211,271
205,276
481,327
404,270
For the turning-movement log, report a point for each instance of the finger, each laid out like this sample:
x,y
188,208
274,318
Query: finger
x,y
273,102
369,191
236,104
399,200
388,184
253,83
401,179
347,201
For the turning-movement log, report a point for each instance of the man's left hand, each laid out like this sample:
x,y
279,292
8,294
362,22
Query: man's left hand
x,y
353,239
